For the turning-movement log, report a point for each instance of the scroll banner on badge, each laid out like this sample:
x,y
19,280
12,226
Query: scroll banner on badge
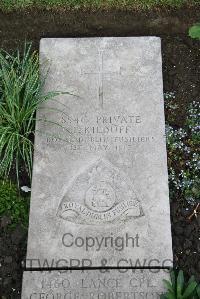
x,y
75,212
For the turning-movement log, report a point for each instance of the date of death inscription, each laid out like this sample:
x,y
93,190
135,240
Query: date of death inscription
x,y
98,133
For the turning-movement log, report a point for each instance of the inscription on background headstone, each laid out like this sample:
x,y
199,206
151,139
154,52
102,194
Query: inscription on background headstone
x,y
100,185
94,284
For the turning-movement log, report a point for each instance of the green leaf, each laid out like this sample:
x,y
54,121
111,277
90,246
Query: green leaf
x,y
180,284
170,295
20,95
168,285
194,31
12,204
173,279
190,289
192,279
198,290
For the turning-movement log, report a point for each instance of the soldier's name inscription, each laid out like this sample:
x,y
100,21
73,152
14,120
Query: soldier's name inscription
x,y
97,132
121,124
91,295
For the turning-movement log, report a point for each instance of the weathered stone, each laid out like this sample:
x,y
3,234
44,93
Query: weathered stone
x,y
100,187
94,284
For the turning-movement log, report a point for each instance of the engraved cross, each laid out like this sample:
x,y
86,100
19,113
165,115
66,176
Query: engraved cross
x,y
100,72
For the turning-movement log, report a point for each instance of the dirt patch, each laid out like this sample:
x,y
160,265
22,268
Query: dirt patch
x,y
34,24
12,252
181,72
185,237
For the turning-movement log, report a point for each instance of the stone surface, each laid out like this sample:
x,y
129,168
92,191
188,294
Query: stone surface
x,y
100,185
93,284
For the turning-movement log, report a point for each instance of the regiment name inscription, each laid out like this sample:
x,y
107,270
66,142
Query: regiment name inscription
x,y
97,132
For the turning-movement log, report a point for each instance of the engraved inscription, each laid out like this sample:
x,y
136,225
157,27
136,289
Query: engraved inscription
x,y
99,132
102,284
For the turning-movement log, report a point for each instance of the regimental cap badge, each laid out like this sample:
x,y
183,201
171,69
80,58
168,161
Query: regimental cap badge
x,y
100,194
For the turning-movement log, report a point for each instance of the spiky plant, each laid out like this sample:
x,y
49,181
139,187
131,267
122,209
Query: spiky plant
x,y
178,288
20,96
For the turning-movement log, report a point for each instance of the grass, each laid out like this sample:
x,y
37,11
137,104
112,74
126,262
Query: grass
x,y
20,96
8,5
12,204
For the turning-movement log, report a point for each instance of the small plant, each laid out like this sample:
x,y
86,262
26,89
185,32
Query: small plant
x,y
194,31
20,96
183,155
178,288
12,204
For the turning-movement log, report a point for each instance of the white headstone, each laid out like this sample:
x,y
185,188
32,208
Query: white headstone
x,y
100,185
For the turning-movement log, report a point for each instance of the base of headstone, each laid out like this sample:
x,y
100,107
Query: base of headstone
x,y
94,284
